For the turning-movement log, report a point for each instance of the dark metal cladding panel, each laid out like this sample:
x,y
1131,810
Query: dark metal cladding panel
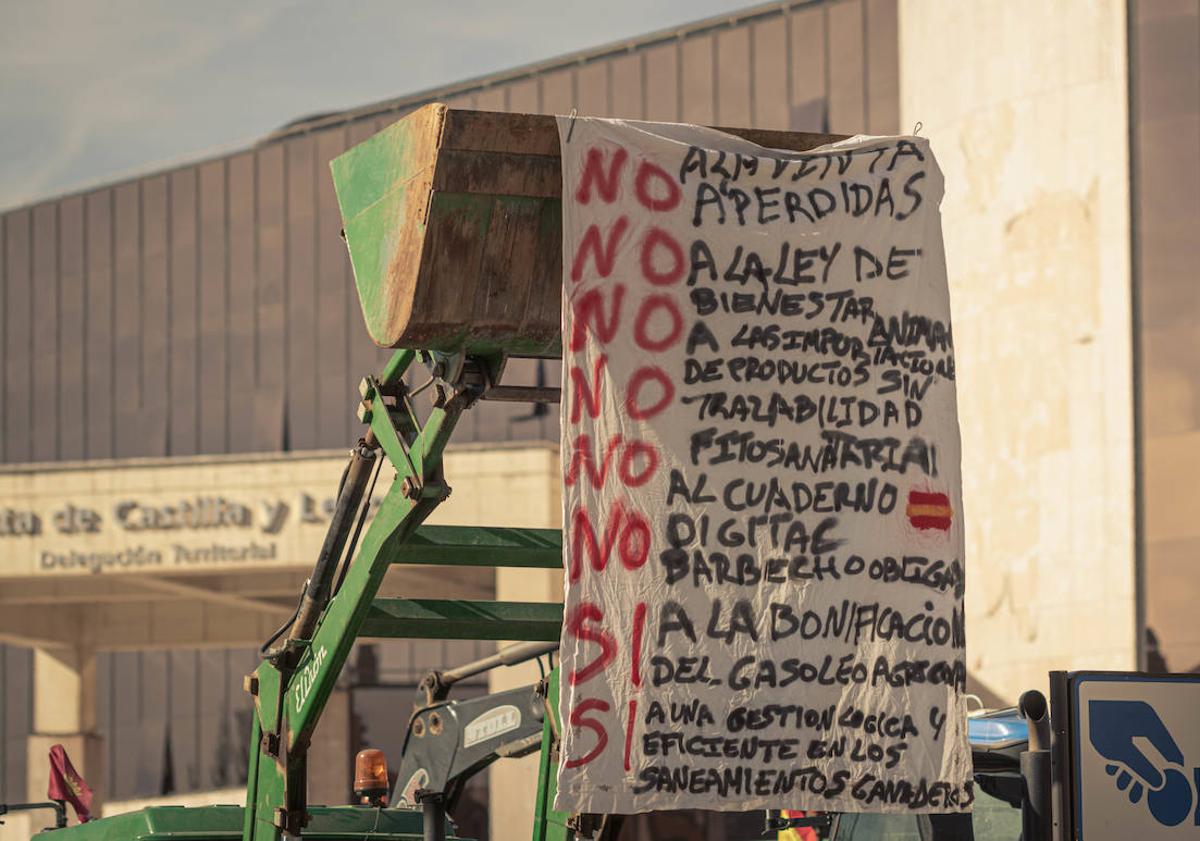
x,y
491,99
523,97
335,383
183,690
211,693
1167,95
882,59
16,716
98,366
847,82
45,333
591,84
125,723
809,72
152,717
157,347
698,76
214,327
770,60
1165,114
71,329
466,100
301,297
558,92
18,336
269,373
662,92
183,374
628,93
127,321
242,311
733,78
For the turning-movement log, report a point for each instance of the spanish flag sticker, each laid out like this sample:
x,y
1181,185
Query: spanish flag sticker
x,y
929,510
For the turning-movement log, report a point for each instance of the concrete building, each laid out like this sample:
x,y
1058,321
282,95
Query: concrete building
x,y
193,333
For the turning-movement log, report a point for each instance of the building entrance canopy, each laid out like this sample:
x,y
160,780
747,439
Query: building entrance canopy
x,y
200,551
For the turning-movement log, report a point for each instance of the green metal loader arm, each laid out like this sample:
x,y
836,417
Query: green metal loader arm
x,y
293,683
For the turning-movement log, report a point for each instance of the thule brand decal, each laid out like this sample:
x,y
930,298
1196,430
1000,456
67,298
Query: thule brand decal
x,y
491,724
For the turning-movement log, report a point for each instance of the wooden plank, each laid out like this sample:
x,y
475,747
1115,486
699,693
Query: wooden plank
x,y
453,245
127,320
301,296
335,384
508,263
506,174
662,83
44,289
734,94
71,329
213,309
18,336
770,56
183,375
882,57
269,308
696,80
487,131
809,55
98,384
847,80
242,313
156,317
627,90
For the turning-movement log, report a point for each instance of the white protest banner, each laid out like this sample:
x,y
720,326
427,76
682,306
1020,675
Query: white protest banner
x,y
763,531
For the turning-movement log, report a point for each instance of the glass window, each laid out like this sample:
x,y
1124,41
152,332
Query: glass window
x,y
865,827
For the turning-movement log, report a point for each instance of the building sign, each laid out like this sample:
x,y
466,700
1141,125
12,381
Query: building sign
x,y
764,547
170,517
1135,755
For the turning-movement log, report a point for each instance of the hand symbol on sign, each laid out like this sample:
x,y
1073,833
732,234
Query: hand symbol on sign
x,y
1113,728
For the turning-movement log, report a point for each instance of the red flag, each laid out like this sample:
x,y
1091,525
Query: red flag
x,y
67,785
802,833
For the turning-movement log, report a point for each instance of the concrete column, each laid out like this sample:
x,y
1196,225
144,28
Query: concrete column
x,y
64,712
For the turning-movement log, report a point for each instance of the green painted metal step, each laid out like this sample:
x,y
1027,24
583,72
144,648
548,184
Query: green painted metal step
x,y
463,620
482,546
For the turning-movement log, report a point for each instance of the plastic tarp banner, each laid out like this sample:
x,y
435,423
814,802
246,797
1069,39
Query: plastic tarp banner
x,y
763,533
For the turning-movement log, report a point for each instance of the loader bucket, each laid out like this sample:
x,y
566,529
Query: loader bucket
x,y
453,219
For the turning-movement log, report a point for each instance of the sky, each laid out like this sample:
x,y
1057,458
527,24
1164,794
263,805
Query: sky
x,y
93,90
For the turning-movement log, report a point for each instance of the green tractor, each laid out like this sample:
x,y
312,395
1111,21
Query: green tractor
x,y
453,224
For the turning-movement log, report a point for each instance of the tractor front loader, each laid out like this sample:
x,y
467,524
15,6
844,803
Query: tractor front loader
x,y
453,223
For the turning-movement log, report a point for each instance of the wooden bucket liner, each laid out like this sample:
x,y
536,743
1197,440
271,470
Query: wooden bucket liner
x,y
453,219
